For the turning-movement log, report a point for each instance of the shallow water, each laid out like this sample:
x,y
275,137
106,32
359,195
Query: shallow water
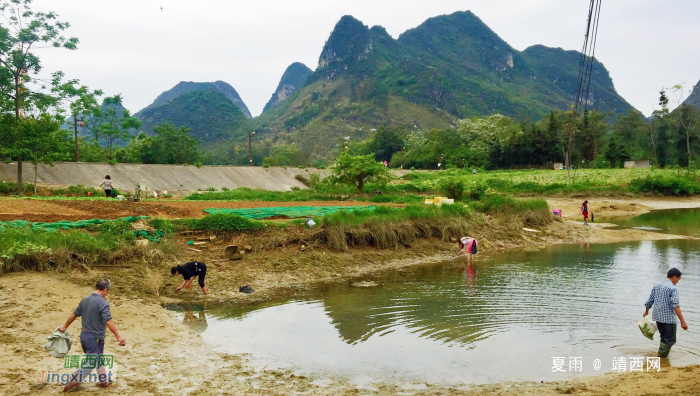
x,y
502,319
671,221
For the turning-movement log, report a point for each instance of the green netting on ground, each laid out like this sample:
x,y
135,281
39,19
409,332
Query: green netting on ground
x,y
288,211
65,224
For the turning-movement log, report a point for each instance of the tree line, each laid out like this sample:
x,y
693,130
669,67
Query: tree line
x,y
592,140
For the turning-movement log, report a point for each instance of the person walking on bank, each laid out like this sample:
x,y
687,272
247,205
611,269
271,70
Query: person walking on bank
x,y
189,271
96,317
107,186
664,298
584,212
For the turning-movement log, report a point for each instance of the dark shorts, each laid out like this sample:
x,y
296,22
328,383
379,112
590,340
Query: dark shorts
x,y
201,273
108,193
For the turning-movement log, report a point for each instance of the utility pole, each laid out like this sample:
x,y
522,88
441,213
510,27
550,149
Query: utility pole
x,y
75,126
402,151
250,147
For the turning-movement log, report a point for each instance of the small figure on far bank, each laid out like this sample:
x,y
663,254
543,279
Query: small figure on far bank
x,y
584,212
666,302
107,186
467,246
96,318
189,271
473,171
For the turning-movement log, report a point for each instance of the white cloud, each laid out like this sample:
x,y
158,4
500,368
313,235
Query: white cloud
x,y
134,48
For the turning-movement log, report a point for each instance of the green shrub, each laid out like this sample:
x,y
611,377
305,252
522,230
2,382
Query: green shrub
x,y
303,180
11,188
475,191
27,249
402,199
225,222
163,225
503,204
453,187
666,185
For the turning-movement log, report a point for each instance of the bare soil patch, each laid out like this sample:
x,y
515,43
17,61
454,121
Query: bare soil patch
x,y
56,210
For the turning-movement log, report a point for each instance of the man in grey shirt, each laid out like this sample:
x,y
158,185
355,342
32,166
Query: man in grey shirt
x,y
96,317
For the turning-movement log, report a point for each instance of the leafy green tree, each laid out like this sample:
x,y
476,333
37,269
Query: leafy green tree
x,y
662,126
590,140
82,102
115,124
616,153
634,129
358,170
386,142
171,145
688,117
42,139
49,142
284,155
23,31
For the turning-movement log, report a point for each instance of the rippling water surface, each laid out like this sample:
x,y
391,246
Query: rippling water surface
x,y
502,319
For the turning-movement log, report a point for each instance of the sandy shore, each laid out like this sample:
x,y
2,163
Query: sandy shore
x,y
165,357
607,208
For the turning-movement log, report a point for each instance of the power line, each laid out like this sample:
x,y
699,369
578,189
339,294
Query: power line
x,y
587,56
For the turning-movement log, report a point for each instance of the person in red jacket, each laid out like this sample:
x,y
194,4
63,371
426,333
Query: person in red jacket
x,y
584,212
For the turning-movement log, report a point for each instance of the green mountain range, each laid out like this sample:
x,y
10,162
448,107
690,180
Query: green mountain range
x,y
293,78
209,113
188,86
449,67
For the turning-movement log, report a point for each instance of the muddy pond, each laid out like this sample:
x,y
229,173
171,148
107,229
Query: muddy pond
x,y
502,319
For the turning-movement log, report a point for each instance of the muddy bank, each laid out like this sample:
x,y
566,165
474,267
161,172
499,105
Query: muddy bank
x,y
73,210
164,357
160,349
608,208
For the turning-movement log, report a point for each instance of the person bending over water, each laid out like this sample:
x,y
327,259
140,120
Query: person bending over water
x,y
467,246
189,271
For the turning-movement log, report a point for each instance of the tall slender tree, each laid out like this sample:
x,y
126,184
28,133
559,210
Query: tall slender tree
x,y
22,31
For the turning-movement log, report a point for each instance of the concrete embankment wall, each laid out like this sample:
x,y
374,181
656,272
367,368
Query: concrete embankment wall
x,y
176,179
173,178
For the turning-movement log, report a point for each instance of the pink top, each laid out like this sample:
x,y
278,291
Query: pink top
x,y
468,244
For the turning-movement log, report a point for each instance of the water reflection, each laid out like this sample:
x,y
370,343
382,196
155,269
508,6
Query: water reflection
x,y
672,221
497,319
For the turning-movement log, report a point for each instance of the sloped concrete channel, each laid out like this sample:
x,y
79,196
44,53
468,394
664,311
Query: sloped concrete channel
x,y
176,179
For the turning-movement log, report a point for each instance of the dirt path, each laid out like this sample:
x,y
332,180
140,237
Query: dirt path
x,y
164,357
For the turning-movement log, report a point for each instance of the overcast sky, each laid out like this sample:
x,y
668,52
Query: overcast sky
x,y
133,48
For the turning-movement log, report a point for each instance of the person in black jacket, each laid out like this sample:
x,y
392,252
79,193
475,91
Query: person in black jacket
x,y
189,271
